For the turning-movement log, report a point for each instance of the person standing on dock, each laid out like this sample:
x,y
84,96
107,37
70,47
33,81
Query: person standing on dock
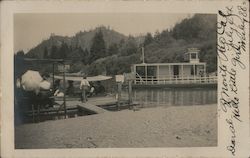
x,y
84,87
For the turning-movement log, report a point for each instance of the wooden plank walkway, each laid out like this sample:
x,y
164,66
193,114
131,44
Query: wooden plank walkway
x,y
91,105
100,101
93,100
51,110
92,108
94,104
88,106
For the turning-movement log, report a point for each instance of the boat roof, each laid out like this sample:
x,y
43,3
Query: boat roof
x,y
164,64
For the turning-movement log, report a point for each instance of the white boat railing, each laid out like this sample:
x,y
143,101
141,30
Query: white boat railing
x,y
138,76
175,79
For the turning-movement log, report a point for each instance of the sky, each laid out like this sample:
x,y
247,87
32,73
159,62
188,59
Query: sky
x,y
32,28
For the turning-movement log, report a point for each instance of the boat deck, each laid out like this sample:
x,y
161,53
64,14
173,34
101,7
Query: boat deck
x,y
175,82
176,85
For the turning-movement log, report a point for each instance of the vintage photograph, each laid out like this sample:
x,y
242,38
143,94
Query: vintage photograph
x,y
124,80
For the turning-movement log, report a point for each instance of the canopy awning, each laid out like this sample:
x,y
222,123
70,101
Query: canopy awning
x,y
79,78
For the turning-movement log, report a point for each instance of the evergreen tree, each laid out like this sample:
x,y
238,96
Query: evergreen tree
x,y
54,52
130,47
85,56
64,50
45,53
157,35
19,66
121,43
98,48
20,54
113,49
148,39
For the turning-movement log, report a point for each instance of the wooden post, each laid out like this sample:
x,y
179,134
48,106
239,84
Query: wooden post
x,y
158,73
53,77
135,95
33,113
143,61
182,73
205,73
158,97
194,73
119,90
169,73
135,81
64,91
146,74
130,92
38,112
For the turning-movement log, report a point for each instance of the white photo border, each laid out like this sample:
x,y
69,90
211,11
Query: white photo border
x,y
9,8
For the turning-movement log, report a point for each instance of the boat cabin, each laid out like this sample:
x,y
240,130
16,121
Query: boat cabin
x,y
191,71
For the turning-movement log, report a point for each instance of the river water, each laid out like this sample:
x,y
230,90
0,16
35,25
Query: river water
x,y
147,98
172,97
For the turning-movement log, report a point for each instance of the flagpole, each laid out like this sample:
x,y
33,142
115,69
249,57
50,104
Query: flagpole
x,y
143,61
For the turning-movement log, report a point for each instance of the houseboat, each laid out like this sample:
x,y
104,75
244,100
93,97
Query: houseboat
x,y
191,73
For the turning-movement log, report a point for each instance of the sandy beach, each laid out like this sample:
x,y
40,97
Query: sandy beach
x,y
175,126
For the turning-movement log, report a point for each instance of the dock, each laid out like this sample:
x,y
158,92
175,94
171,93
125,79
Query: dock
x,y
92,105
91,108
74,107
88,106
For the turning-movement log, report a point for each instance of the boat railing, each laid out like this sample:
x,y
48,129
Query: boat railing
x,y
175,79
140,78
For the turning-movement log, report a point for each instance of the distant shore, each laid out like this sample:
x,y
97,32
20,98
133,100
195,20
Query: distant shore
x,y
175,126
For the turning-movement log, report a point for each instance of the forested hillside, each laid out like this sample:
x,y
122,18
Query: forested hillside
x,y
170,45
103,50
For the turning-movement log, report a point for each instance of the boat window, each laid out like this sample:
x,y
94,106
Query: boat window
x,y
193,71
151,71
193,56
140,70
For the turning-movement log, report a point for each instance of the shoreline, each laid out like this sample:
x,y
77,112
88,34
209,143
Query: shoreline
x,y
174,126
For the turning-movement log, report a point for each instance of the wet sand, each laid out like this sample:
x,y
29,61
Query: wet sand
x,y
175,126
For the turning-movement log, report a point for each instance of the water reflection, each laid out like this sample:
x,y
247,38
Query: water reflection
x,y
174,96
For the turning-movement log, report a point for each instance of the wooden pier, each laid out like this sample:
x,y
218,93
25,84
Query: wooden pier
x,y
67,106
91,108
88,106
92,105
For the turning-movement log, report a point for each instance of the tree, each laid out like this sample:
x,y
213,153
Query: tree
x,y
63,51
122,41
53,52
148,39
157,35
85,56
20,54
98,47
113,49
45,53
97,68
130,47
19,66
